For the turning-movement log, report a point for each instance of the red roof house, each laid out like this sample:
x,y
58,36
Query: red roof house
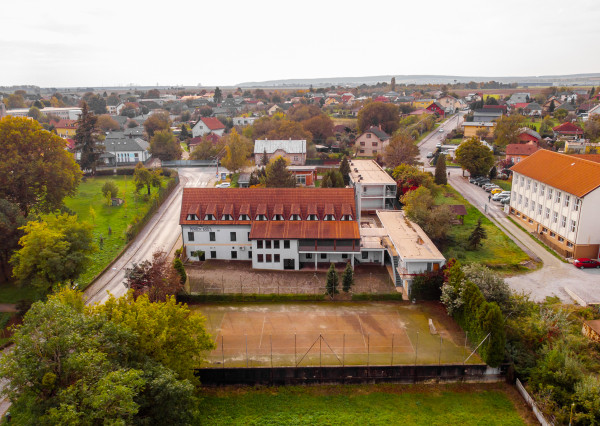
x,y
436,108
207,125
515,152
568,129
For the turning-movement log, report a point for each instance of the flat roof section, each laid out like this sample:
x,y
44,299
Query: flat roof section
x,y
370,173
408,238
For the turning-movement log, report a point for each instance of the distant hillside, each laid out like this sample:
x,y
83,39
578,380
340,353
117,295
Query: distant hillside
x,y
573,79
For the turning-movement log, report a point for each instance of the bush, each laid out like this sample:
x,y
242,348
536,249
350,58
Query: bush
x,y
229,298
427,286
178,265
110,189
377,297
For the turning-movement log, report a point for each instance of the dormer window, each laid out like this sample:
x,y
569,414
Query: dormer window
x,y
244,217
209,217
191,217
295,217
312,217
226,217
347,217
329,217
261,217
277,217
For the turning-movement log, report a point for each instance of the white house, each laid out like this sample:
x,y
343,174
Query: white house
x,y
557,197
115,109
244,121
292,150
374,188
64,113
126,151
208,125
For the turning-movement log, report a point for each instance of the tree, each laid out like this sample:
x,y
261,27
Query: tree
x,y
178,265
560,114
409,177
164,145
107,123
87,140
278,175
332,281
54,250
345,170
158,279
96,103
15,101
11,221
35,113
551,107
347,278
36,171
144,177
237,151
419,206
508,129
110,189
441,177
479,234
218,96
303,112
152,94
493,172
592,128
332,179
492,285
401,150
185,134
379,113
156,122
475,157
320,127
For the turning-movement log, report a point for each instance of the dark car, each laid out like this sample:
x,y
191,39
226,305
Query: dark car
x,y
586,263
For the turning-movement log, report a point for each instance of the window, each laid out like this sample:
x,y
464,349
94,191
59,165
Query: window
x,y
213,254
295,217
521,180
344,256
276,244
569,244
526,202
248,236
234,254
259,244
535,187
560,239
277,258
211,236
309,255
374,151
552,234
286,244
226,217
191,217
542,188
572,228
557,199
269,258
362,151
567,200
250,254
362,144
277,217
295,158
329,217
528,184
563,221
368,136
190,236
539,209
520,199
261,217
244,217
577,204
555,217
209,217
374,144
364,255
268,244
312,217
549,193
323,255
547,213
259,258
544,229
301,179
232,236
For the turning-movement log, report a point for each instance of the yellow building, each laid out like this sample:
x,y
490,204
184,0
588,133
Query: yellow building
x,y
422,103
471,128
65,128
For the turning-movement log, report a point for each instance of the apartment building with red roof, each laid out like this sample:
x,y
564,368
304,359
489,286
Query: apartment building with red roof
x,y
557,197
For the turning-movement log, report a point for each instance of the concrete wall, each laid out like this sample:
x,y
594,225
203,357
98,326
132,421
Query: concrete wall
x,y
291,253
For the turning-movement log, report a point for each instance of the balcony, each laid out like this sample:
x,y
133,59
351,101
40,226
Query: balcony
x,y
328,246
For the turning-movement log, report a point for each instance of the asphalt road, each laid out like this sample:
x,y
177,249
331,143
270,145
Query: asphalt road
x,y
554,278
160,233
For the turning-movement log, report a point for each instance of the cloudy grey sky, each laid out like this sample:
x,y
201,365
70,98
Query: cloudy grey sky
x,y
79,42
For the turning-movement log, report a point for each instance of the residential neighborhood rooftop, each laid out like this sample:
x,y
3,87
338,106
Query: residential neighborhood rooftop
x,y
369,172
290,146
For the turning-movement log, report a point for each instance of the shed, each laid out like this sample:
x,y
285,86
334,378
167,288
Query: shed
x,y
460,211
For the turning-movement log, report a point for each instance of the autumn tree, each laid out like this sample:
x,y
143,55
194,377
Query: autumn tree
x,y
107,123
379,113
440,176
87,140
110,189
475,157
11,221
278,175
156,122
207,149
401,150
320,127
164,145
95,103
36,170
144,177
419,206
15,101
237,151
303,112
507,129
158,279
409,178
54,250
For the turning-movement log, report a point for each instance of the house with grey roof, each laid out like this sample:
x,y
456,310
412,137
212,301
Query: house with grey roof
x,y
487,115
292,150
125,151
519,98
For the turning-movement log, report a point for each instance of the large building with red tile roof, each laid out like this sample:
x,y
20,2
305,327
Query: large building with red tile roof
x,y
557,197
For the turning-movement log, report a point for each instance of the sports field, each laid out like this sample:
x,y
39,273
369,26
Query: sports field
x,y
324,333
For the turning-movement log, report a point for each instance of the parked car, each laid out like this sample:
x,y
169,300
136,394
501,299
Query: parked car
x,y
441,130
496,191
439,145
501,195
489,185
505,200
430,155
224,185
584,262
483,182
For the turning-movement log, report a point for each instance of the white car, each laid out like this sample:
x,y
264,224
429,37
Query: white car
x,y
441,130
224,185
430,155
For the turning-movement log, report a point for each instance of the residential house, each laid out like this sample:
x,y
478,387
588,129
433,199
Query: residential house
x,y
436,108
374,188
208,125
515,152
449,103
557,197
305,175
372,142
529,135
244,121
66,129
533,109
548,104
567,131
292,150
567,106
581,147
194,142
471,127
125,151
594,111
502,108
487,115
519,98
422,103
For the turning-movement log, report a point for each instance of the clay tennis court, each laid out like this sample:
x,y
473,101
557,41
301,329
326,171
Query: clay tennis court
x,y
353,333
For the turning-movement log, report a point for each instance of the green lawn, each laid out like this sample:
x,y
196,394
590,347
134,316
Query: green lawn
x,y
506,185
537,123
11,293
498,251
184,146
89,198
359,405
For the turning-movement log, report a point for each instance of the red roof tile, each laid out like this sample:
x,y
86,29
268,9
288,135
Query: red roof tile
x,y
520,149
212,123
568,128
270,201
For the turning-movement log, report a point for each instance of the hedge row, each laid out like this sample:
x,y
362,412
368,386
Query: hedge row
x,y
377,297
230,298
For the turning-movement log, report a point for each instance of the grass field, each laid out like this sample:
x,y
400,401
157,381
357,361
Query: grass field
x,y
353,333
489,404
497,252
89,202
506,185
11,293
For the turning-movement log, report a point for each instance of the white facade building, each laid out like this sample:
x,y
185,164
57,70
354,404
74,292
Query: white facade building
x,y
64,113
374,188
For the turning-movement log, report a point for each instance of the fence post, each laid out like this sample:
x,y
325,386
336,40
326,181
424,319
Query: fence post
x,y
392,362
440,356
246,350
344,351
222,352
417,348
368,349
295,363
320,353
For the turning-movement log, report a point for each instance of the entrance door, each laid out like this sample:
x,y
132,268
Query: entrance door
x,y
289,264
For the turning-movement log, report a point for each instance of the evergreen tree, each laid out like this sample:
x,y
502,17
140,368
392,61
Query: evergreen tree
x,y
551,107
493,172
264,161
441,177
333,179
347,278
218,96
345,170
332,281
87,140
326,182
278,175
184,133
478,234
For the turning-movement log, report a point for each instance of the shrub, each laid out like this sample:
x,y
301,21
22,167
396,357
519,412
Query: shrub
x,y
110,189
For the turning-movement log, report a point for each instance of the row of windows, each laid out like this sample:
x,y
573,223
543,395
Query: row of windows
x,y
563,222
276,217
267,244
545,230
375,144
362,151
557,195
213,237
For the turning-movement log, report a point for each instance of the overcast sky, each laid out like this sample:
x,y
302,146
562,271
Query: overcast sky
x,y
79,42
